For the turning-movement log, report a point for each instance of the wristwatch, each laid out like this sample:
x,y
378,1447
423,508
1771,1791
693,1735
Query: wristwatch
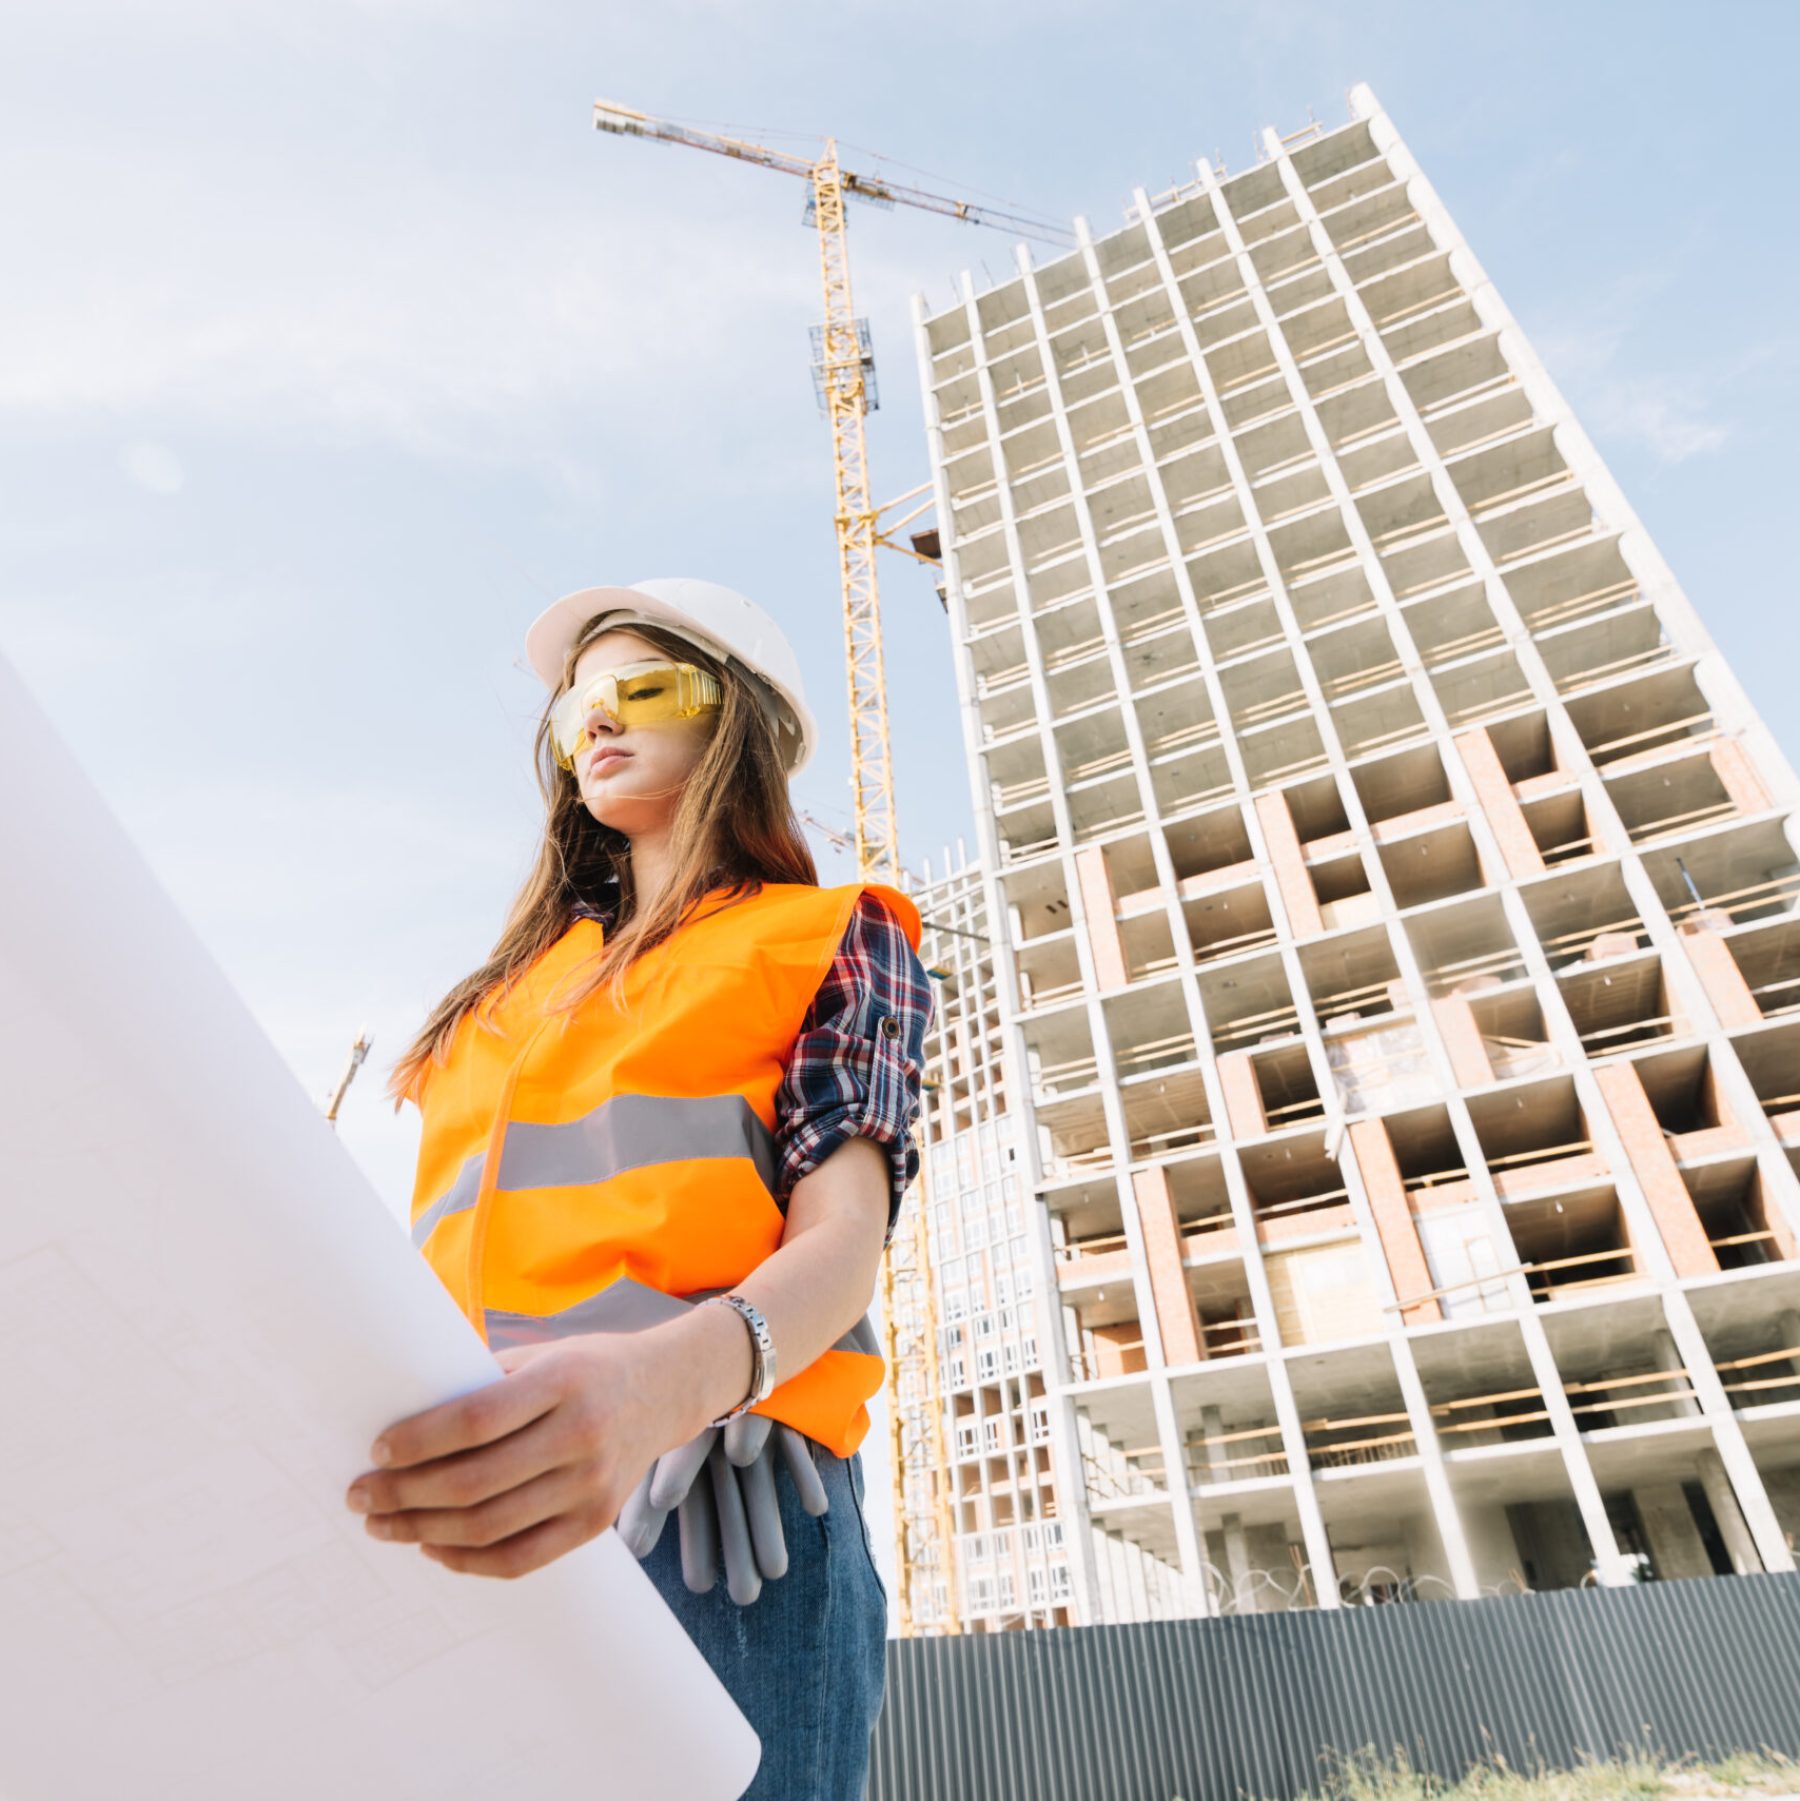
x,y
762,1368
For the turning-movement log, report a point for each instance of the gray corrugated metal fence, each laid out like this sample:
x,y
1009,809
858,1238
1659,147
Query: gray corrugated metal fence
x,y
1256,1705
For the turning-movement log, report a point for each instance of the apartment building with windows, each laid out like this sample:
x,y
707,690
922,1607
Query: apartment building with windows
x,y
1385,967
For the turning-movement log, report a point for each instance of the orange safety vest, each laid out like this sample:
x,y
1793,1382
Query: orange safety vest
x,y
579,1159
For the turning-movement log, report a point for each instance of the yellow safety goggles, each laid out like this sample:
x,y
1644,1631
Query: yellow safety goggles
x,y
642,693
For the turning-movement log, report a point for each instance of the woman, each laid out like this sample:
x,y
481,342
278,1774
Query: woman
x,y
685,1071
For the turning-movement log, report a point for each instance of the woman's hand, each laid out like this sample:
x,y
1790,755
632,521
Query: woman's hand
x,y
506,1480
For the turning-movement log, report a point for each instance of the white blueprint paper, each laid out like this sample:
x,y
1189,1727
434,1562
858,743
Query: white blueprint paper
x,y
206,1315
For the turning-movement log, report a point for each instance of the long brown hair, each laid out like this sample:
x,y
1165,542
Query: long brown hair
x,y
734,828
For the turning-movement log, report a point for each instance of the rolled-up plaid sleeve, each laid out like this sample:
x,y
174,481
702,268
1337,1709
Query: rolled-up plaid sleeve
x,y
858,1061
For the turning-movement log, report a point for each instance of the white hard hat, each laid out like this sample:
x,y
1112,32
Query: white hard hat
x,y
720,620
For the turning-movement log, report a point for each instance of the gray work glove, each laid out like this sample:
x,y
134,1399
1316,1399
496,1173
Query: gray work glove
x,y
733,1511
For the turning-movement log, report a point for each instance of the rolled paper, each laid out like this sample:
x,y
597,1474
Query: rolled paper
x,y
762,1506
801,1467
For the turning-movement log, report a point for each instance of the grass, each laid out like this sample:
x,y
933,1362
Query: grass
x,y
1368,1777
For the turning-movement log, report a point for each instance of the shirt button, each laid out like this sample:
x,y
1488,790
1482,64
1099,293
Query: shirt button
x,y
890,1026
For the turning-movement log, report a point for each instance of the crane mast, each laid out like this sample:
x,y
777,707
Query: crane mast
x,y
909,1312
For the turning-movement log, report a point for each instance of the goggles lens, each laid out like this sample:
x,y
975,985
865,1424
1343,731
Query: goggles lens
x,y
644,693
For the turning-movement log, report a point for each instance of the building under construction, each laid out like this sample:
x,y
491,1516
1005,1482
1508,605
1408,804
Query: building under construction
x,y
1367,1058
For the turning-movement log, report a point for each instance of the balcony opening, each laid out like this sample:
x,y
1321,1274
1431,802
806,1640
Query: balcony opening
x,y
1771,1059
1165,1113
1620,1006
1331,598
1353,977
1752,1331
1480,688
1202,1206
1467,948
1325,1293
1379,719
1352,1411
1230,1431
1037,901
1768,958
1588,577
1525,748
1379,1067
1612,1372
1740,1217
1448,627
1104,1333
1243,629
1535,1138
1573,1243
1432,1168
1208,843
1740,874
1585,916
1227,922
1075,684
1296,1191
1514,1037
1317,810
1249,1003
1286,1087
1341,887
1561,829
1281,752
1224,1315
1633,718
1605,648
1087,1233
1072,1138
1433,865
1395,787
1683,1091
1481,1388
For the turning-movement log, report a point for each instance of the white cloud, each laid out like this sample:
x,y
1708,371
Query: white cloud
x,y
1670,414
1658,419
153,467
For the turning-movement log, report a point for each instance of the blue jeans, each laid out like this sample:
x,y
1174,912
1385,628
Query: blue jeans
x,y
807,1659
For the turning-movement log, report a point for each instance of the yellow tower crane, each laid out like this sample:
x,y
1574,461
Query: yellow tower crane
x,y
843,366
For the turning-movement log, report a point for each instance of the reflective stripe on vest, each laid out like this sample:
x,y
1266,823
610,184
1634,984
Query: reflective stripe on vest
x,y
568,1158
627,1132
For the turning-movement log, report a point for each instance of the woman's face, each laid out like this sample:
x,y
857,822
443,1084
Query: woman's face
x,y
631,776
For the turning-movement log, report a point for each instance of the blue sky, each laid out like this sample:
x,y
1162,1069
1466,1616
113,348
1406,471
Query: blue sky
x,y
337,342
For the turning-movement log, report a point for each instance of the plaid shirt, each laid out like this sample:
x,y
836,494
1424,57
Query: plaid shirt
x,y
857,1063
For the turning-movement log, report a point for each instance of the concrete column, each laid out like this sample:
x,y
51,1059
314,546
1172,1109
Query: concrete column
x,y
1675,1544
1392,1212
1231,1525
1720,976
1671,1206
1237,1564
1176,1323
1721,1497
1463,1042
1242,1095
1100,915
1738,776
1287,859
1500,804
